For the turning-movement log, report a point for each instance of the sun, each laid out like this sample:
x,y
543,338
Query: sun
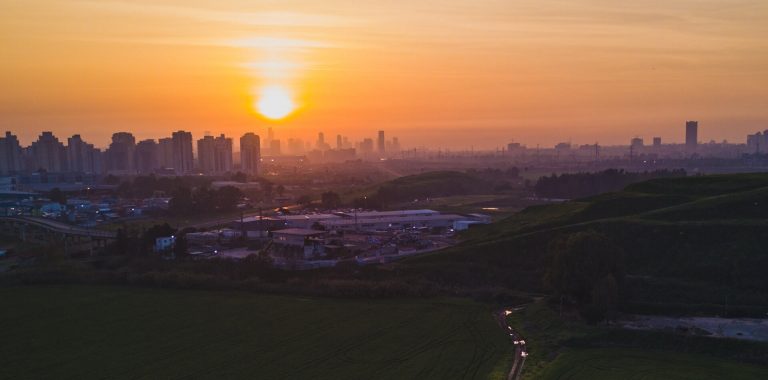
x,y
275,102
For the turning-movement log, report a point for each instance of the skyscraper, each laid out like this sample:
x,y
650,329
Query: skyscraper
x,y
250,153
48,154
83,157
165,153
183,159
215,154
121,154
339,144
10,154
274,148
147,156
381,142
656,142
691,134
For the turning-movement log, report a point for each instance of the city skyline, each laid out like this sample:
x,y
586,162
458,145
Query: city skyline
x,y
464,75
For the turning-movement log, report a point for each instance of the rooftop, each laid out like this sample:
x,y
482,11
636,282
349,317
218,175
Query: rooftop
x,y
299,232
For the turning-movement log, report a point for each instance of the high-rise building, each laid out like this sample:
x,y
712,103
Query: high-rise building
x,y
295,146
147,156
165,153
48,153
83,157
215,154
274,148
691,134
366,147
656,142
121,154
636,142
339,144
10,154
381,142
183,159
250,153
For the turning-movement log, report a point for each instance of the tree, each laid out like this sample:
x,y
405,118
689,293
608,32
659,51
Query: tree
x,y
180,247
181,201
240,177
58,196
587,269
228,197
605,298
304,200
268,188
330,200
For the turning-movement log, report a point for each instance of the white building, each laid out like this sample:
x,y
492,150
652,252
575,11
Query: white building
x,y
164,243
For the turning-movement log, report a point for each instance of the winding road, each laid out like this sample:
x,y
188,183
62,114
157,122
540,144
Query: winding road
x,y
521,351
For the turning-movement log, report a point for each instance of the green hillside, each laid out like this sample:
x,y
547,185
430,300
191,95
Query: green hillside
x,y
691,244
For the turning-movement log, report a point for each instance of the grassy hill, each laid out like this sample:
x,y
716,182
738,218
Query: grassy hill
x,y
692,245
84,332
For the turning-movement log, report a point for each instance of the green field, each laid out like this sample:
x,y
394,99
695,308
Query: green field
x,y
564,348
605,363
79,332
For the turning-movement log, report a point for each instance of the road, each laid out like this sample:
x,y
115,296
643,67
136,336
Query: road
x,y
521,351
60,227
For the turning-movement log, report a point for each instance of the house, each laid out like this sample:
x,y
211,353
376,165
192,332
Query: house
x,y
164,243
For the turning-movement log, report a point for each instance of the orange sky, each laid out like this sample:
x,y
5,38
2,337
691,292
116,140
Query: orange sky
x,y
441,73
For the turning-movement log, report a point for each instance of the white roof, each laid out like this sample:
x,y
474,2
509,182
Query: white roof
x,y
412,219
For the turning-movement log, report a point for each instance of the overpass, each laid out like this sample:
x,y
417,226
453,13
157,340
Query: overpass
x,y
72,238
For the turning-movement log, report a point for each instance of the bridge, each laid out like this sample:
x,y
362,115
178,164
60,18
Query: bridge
x,y
72,238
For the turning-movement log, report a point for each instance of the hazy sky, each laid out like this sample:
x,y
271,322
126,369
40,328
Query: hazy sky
x,y
444,73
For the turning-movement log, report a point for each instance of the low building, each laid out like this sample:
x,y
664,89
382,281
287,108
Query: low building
x,y
164,243
309,243
396,222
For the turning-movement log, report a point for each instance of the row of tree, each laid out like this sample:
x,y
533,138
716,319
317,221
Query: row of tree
x,y
204,199
579,185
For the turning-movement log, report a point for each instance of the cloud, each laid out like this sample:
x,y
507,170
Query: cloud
x,y
265,18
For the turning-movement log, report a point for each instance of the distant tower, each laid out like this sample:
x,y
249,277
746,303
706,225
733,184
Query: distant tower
x,y
120,154
250,153
657,142
691,135
183,159
381,144
339,144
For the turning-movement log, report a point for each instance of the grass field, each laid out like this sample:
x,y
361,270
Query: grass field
x,y
627,364
84,332
563,349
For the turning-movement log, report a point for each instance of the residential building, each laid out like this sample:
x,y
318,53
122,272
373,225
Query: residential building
x,y
121,154
11,161
215,154
183,158
147,156
48,153
250,153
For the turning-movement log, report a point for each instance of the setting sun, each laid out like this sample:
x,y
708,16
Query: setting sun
x,y
275,102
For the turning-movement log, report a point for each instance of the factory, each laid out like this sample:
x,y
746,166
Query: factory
x,y
362,221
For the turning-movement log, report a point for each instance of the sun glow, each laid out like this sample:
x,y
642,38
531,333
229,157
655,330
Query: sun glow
x,y
275,102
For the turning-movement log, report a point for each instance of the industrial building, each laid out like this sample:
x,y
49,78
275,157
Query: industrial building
x,y
364,221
